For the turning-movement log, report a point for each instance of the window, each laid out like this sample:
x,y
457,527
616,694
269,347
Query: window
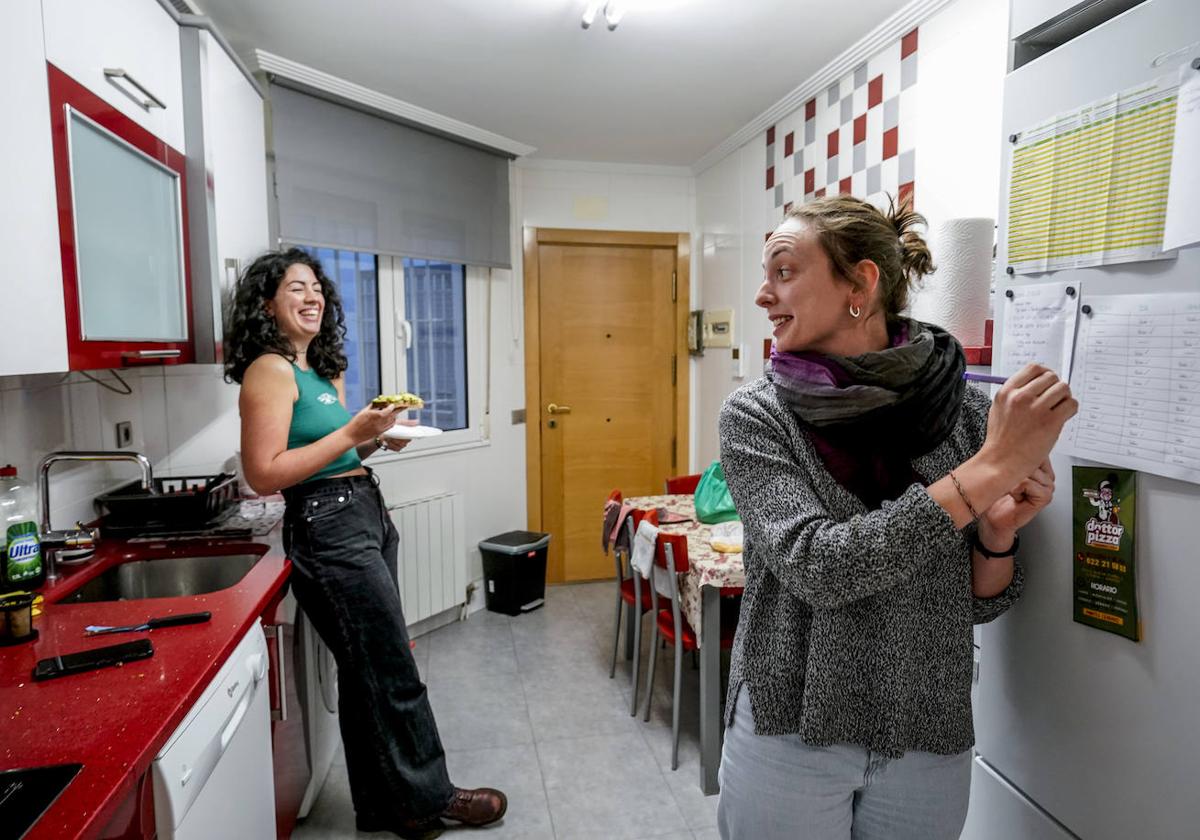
x,y
435,312
356,276
414,325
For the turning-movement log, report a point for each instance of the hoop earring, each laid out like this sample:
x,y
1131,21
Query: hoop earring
x,y
854,311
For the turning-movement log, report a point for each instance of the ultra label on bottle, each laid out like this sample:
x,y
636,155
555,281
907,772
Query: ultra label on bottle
x,y
24,560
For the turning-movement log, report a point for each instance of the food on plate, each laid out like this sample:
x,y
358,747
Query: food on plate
x,y
727,538
405,400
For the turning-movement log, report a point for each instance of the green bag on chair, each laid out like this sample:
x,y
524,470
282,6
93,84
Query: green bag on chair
x,y
713,502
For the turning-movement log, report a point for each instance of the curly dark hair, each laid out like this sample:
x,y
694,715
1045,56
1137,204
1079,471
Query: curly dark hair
x,y
250,331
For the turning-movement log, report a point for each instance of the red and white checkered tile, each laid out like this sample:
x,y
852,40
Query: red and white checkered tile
x,y
857,136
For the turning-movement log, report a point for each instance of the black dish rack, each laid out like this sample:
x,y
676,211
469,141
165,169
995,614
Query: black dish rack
x,y
176,503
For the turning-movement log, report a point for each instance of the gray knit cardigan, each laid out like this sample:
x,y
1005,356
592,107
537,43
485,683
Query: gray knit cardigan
x,y
856,625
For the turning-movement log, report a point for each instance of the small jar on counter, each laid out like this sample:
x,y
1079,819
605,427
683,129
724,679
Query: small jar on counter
x,y
16,618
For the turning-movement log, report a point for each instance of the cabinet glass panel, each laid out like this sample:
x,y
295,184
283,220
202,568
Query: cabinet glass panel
x,y
128,238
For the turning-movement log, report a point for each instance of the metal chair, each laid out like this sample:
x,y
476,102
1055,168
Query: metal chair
x,y
633,594
671,555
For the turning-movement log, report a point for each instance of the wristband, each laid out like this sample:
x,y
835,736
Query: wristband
x,y
987,552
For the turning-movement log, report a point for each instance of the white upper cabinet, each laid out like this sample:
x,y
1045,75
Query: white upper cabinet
x,y
227,178
31,286
124,51
237,133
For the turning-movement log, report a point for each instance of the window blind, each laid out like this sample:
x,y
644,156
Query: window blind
x,y
350,179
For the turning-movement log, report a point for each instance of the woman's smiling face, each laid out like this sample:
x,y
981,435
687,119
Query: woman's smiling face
x,y
806,302
298,305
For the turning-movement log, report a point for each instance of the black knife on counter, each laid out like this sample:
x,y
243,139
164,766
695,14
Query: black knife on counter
x,y
152,624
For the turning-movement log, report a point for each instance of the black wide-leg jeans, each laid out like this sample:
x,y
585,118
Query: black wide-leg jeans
x,y
342,545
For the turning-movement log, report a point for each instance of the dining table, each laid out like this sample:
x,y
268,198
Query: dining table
x,y
710,575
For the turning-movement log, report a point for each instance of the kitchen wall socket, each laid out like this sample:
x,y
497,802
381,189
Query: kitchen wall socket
x,y
124,434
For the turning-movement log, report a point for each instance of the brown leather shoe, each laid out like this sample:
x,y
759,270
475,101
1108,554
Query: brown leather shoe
x,y
478,806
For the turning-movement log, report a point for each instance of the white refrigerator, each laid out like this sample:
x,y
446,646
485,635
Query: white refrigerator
x,y
1083,733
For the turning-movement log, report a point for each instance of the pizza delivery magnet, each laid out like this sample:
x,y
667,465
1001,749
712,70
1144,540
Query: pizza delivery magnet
x,y
1105,595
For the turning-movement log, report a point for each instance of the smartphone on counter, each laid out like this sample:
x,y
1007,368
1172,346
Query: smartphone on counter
x,y
89,660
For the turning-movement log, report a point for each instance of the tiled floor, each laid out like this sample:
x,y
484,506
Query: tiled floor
x,y
526,704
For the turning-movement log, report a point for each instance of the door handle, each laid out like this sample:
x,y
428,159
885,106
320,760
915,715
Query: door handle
x,y
135,357
558,409
274,632
403,329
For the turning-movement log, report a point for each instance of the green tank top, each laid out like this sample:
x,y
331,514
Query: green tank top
x,y
316,413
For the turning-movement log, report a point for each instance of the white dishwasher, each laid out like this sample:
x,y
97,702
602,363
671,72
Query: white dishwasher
x,y
214,777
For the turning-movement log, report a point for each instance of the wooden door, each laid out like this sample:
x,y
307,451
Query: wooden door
x,y
607,385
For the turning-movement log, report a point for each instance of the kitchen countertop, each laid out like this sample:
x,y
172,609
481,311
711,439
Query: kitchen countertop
x,y
115,720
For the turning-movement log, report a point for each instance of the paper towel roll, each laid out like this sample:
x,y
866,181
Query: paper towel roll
x,y
956,296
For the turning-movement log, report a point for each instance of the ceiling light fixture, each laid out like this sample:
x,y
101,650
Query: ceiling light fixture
x,y
613,12
589,13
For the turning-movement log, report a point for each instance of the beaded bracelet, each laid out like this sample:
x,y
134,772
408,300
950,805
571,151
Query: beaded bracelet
x,y
963,495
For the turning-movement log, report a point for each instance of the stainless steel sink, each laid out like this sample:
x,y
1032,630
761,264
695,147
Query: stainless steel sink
x,y
165,577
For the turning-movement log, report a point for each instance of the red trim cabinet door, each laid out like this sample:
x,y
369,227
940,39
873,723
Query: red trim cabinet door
x,y
72,102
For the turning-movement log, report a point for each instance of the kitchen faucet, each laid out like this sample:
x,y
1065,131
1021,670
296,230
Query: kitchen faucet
x,y
78,537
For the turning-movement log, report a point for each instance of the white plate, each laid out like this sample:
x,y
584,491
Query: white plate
x,y
399,432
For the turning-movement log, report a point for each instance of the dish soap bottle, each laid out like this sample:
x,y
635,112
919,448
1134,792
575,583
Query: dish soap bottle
x,y
20,551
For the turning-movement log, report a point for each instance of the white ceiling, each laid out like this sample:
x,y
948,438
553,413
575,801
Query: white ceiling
x,y
673,81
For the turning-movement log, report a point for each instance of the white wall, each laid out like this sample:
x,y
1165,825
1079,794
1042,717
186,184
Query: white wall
x,y
729,232
184,420
961,67
600,196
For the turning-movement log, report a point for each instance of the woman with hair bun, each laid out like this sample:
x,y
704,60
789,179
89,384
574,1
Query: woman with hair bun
x,y
881,500
284,346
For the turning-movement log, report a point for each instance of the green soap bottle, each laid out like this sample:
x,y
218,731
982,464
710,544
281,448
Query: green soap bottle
x,y
21,565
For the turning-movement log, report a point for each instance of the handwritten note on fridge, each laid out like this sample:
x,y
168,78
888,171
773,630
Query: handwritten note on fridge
x,y
1183,199
1137,379
1039,326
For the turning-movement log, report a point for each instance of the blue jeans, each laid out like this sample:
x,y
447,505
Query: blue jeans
x,y
775,787
342,545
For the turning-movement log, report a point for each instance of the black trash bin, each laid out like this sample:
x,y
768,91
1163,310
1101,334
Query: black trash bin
x,y
514,571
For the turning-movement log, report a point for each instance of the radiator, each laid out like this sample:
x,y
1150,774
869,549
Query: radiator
x,y
432,562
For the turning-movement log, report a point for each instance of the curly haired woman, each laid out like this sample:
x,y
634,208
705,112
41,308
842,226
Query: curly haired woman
x,y
284,346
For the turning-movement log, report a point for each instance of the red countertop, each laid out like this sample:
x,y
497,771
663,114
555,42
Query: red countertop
x,y
114,721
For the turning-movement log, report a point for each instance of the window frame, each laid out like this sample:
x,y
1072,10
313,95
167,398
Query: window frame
x,y
393,367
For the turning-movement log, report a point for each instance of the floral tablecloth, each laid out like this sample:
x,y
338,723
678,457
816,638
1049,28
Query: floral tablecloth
x,y
707,566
